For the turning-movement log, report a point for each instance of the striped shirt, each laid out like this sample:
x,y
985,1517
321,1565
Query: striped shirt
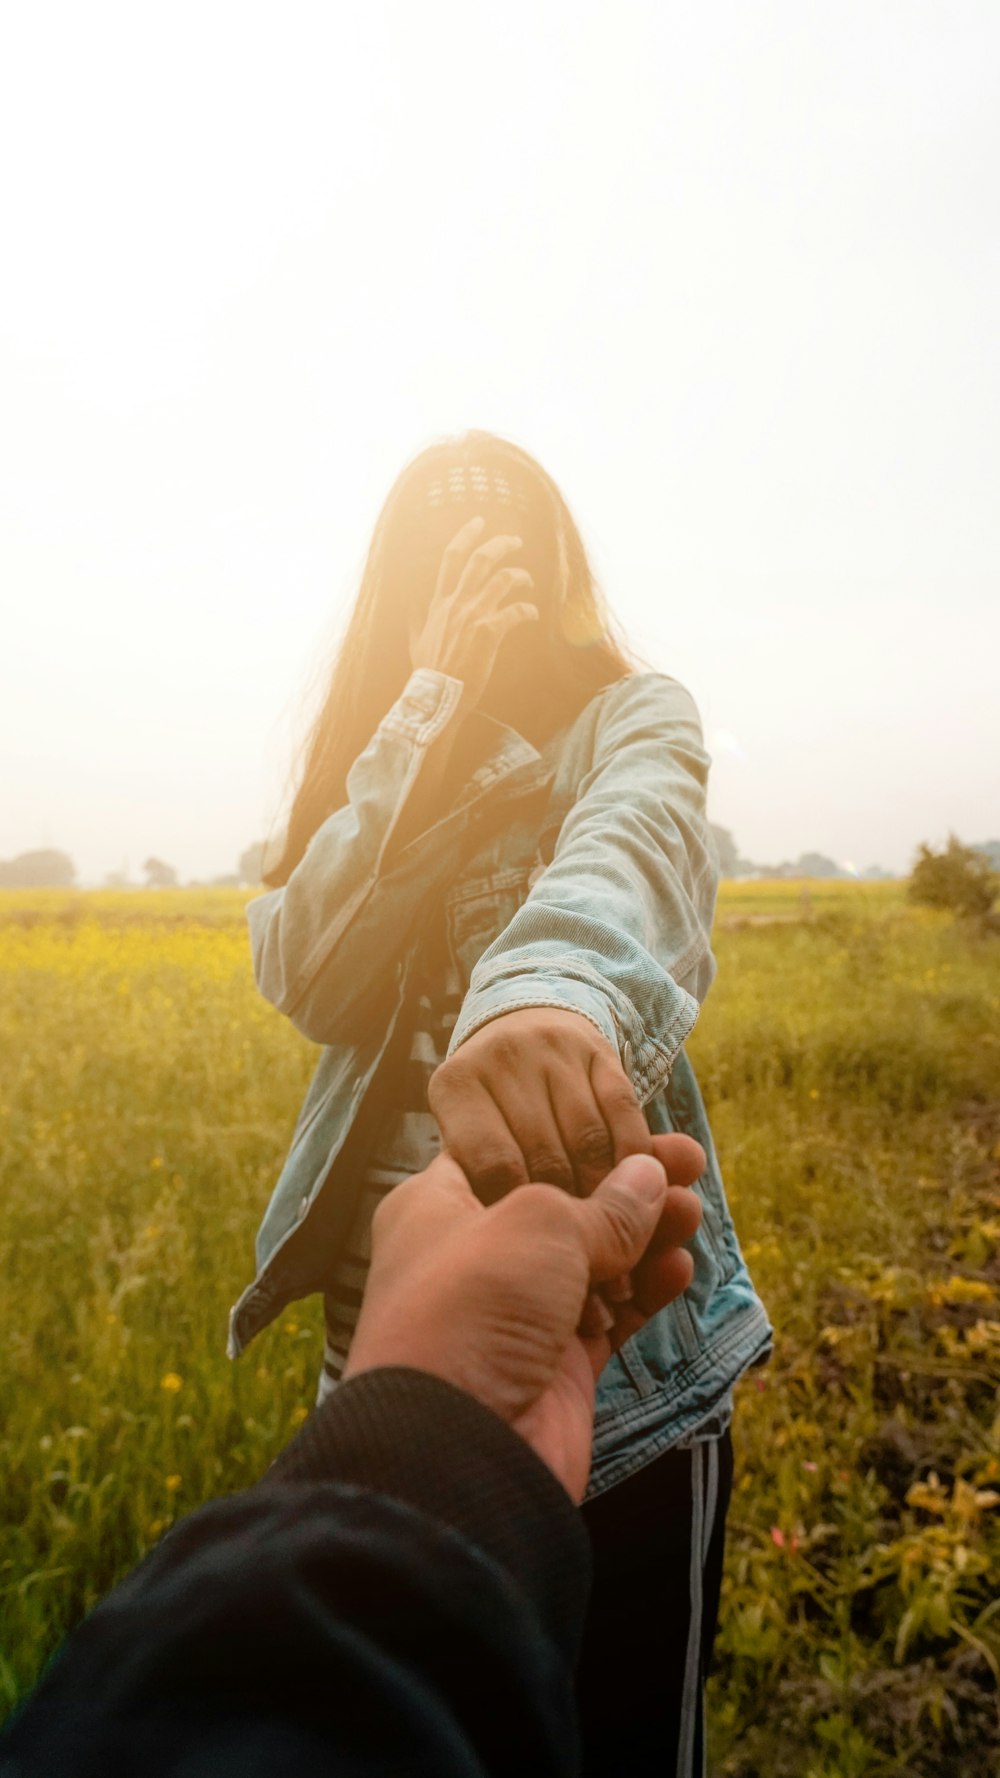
x,y
407,1143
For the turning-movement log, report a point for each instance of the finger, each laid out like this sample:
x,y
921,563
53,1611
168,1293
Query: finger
x,y
627,1133
527,1110
683,1157
476,1134
661,1285
680,1218
596,1319
585,1135
500,585
466,536
617,1221
664,1265
482,562
620,1108
509,619
455,554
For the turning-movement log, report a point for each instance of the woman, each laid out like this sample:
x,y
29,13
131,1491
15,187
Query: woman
x,y
493,910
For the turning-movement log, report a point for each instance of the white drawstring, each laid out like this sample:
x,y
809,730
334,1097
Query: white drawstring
x,y
691,1695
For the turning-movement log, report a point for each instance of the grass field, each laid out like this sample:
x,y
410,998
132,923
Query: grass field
x,y
850,1057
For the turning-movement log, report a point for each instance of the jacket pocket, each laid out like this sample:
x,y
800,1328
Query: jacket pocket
x,y
478,912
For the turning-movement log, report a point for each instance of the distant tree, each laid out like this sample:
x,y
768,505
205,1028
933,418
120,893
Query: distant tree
x,y
225,882
45,869
116,879
815,864
958,878
727,849
251,864
159,875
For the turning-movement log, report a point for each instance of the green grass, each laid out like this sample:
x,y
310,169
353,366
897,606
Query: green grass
x,y
850,1057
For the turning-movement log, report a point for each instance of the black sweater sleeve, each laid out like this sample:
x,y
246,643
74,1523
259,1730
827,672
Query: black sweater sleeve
x,y
402,1593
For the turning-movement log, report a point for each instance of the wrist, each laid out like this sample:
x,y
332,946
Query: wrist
x,y
432,1446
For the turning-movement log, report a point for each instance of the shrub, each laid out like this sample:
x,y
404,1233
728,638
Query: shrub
x,y
957,878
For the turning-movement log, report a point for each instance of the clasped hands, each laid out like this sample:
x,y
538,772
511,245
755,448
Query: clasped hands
x,y
488,1287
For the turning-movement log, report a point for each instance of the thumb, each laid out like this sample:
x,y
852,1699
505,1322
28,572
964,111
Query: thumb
x,y
618,1220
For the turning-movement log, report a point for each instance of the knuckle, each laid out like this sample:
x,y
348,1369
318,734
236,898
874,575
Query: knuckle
x,y
504,1050
620,1097
446,1079
498,1171
548,1166
623,1216
592,1147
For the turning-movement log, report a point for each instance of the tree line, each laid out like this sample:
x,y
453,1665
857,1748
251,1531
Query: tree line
x,y
965,879
49,868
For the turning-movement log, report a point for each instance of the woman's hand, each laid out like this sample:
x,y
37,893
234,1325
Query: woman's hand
x,y
467,618
536,1095
492,1300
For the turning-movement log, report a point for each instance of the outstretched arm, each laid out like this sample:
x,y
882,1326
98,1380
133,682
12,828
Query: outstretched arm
x,y
576,1012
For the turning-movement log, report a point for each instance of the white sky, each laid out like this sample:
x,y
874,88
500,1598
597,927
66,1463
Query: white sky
x,y
731,272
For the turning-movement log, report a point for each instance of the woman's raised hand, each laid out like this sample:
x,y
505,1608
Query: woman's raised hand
x,y
468,618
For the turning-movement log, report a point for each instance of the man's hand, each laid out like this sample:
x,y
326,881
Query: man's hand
x,y
537,1094
492,1299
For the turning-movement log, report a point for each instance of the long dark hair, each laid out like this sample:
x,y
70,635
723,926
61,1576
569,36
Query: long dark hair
x,y
372,663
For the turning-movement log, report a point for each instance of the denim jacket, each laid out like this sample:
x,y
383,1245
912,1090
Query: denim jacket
x,y
581,875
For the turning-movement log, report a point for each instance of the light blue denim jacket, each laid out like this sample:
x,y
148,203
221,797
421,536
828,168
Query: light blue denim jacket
x,y
580,875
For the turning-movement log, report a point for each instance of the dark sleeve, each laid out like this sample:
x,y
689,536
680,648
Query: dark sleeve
x,y
402,1593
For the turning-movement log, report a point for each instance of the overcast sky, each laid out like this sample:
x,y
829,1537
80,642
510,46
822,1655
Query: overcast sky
x,y
731,272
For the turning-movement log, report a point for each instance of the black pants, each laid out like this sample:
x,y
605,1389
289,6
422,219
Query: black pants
x,y
653,1612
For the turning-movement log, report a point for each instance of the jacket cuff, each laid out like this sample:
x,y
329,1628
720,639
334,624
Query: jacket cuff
x,y
647,1061
420,1440
536,989
425,704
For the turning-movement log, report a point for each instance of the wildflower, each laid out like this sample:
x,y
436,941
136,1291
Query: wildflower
x,y
156,1163
173,1482
171,1382
814,1092
155,1527
960,1290
781,1542
299,1414
291,1327
810,1468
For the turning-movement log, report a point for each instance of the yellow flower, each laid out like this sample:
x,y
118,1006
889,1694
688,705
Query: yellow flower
x,y
960,1290
173,1482
299,1414
171,1383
